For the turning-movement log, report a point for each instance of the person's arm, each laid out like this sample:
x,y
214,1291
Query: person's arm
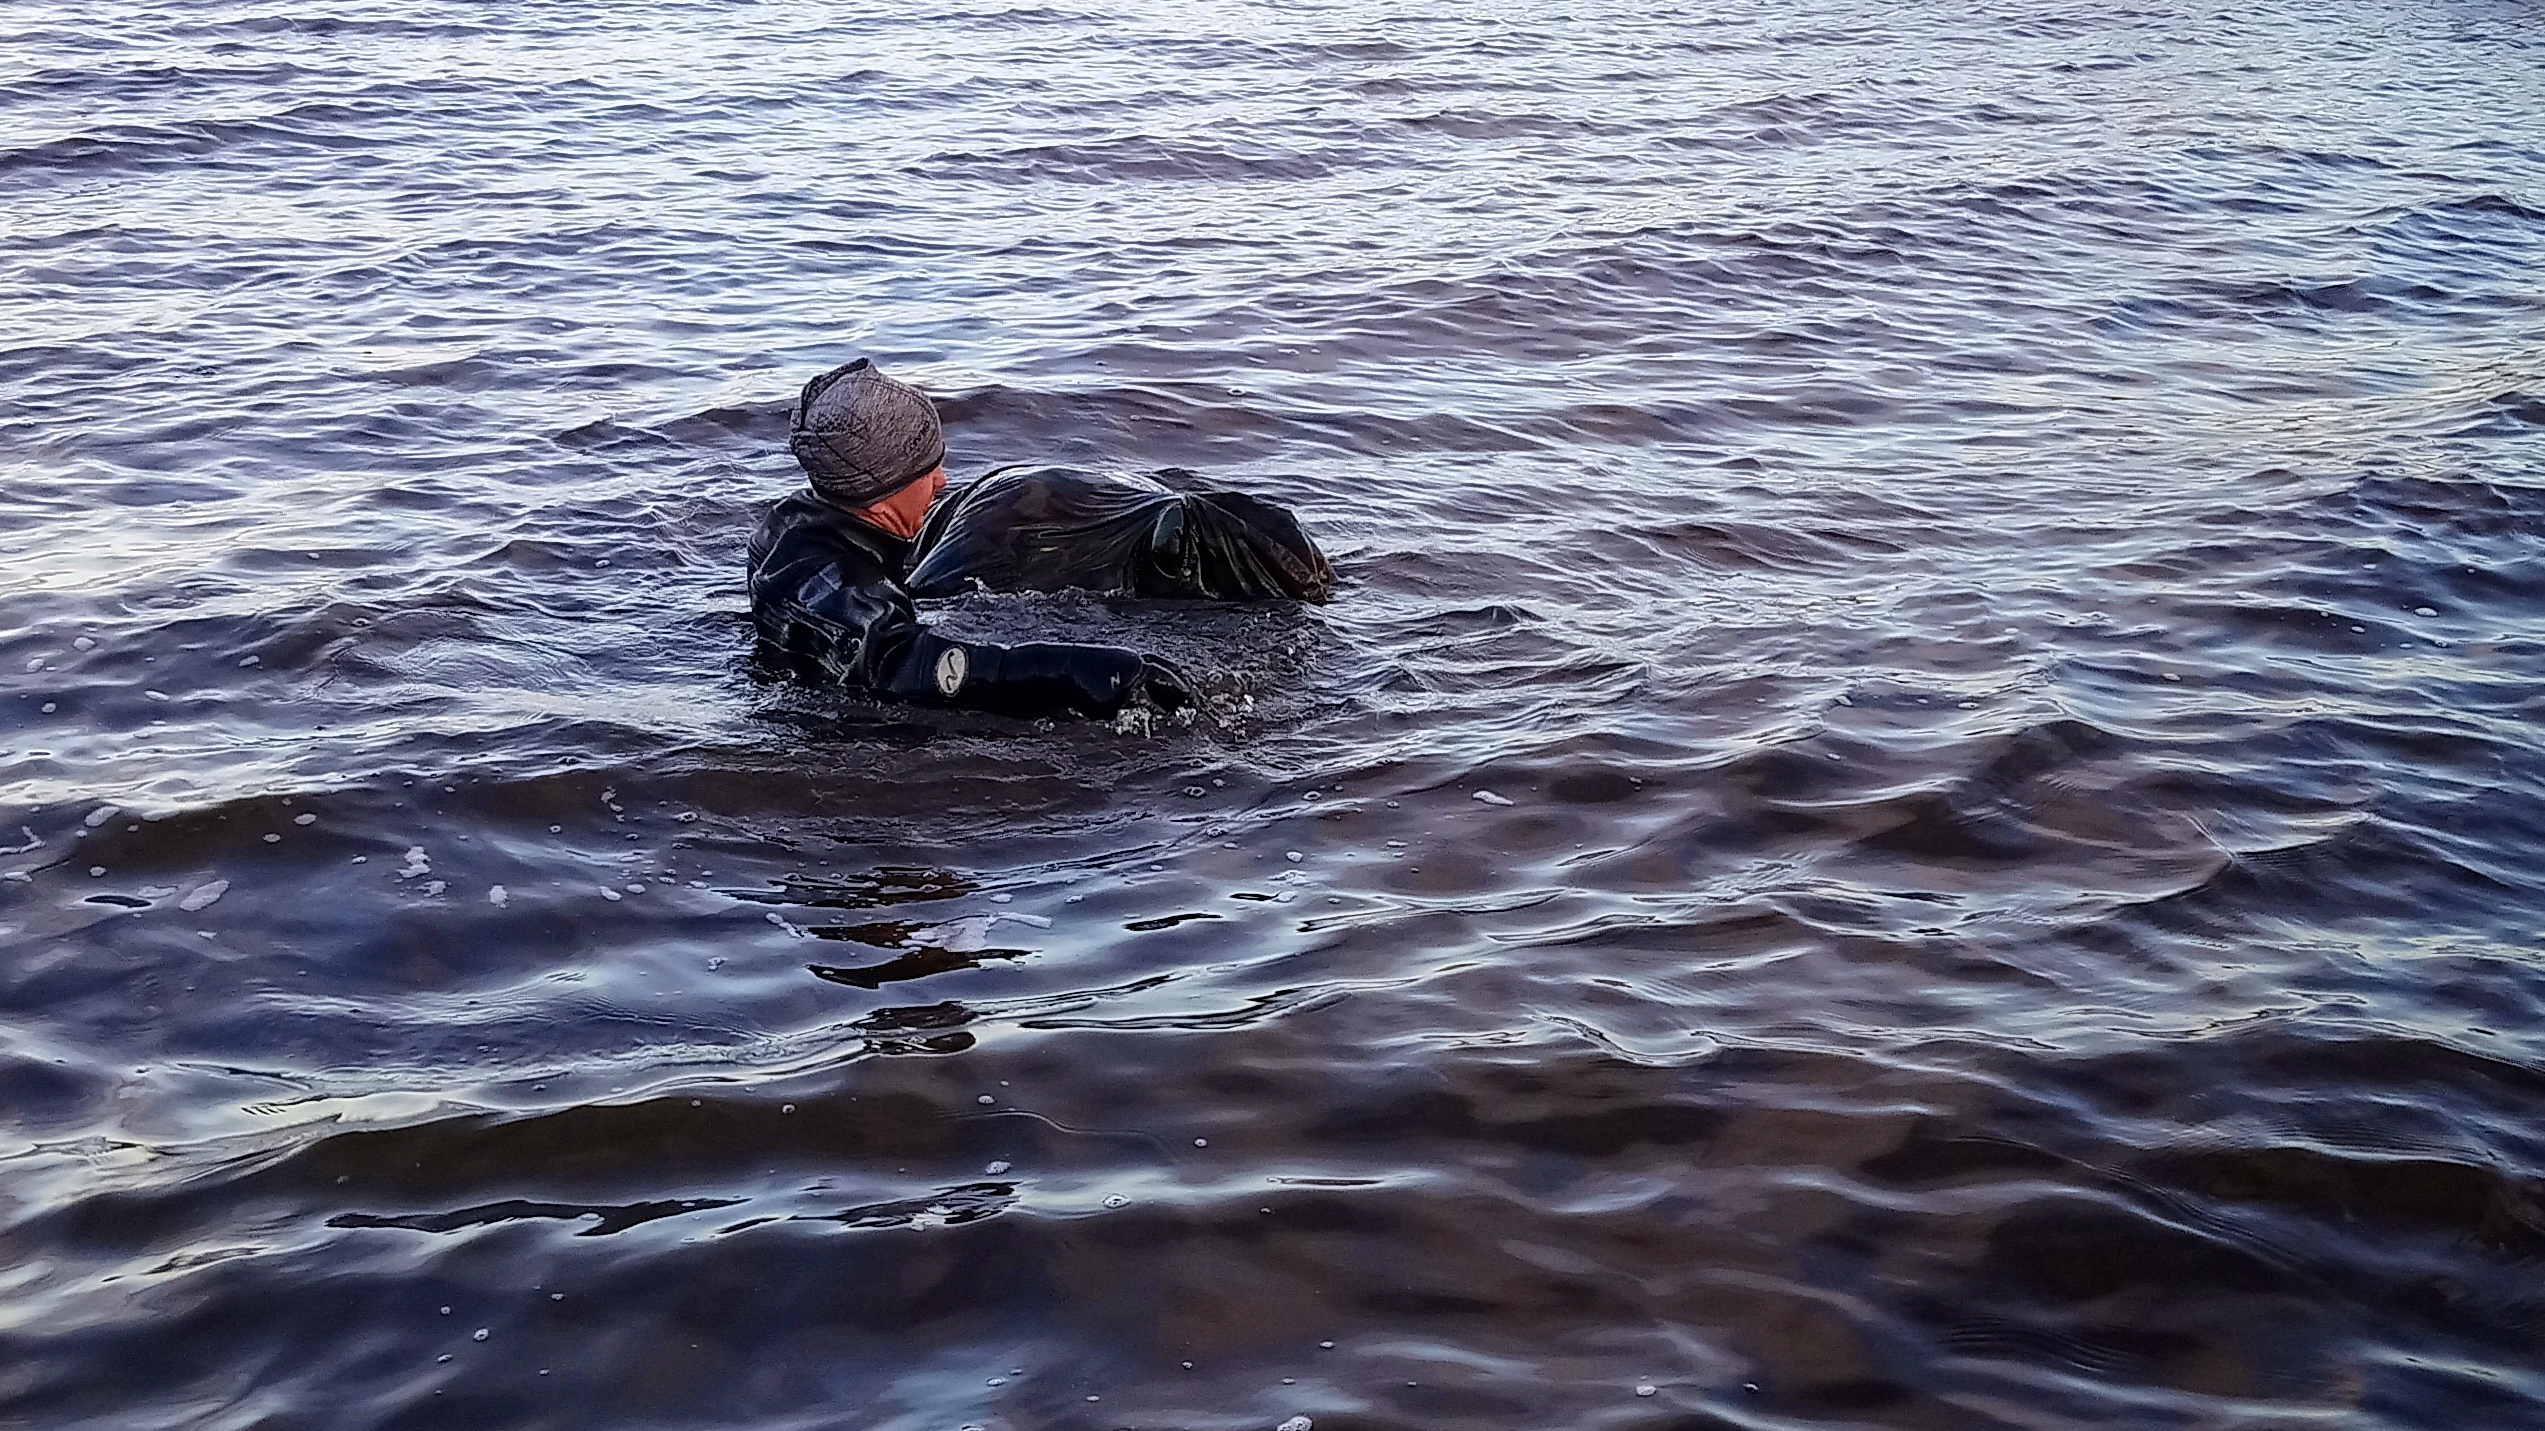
x,y
839,615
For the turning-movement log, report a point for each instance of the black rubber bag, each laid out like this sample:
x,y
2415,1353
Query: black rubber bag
x,y
1053,528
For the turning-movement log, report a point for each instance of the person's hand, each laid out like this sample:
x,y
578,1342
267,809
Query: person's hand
x,y
1168,686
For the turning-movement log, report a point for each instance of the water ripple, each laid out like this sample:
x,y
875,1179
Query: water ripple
x,y
1919,805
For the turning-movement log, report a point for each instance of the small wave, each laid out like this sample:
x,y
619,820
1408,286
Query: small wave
x,y
953,1207
122,148
2480,1206
216,30
1737,546
1133,158
149,83
606,1220
2509,413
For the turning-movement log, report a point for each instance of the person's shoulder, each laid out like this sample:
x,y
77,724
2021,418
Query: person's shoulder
x,y
800,508
797,508
779,520
802,524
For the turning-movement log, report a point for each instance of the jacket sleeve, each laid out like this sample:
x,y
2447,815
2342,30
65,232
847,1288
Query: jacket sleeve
x,y
840,617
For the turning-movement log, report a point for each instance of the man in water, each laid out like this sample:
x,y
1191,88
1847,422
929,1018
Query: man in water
x,y
833,569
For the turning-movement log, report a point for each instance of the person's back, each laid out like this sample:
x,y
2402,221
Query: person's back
x,y
831,568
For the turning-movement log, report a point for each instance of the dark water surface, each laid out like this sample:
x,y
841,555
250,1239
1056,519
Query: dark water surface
x,y
1922,806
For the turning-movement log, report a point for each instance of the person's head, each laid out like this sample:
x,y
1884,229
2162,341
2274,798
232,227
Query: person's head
x,y
871,445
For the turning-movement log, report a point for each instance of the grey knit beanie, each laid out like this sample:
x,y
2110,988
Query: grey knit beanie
x,y
862,436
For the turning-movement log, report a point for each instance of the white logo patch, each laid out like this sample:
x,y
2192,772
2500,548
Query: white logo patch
x,y
952,667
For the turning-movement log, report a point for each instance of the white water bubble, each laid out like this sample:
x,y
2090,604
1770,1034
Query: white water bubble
x,y
985,1098
1293,856
498,896
101,815
272,839
1116,1200
613,896
478,1336
996,1168
1296,1423
203,896
1647,1389
968,935
304,819
96,871
1491,798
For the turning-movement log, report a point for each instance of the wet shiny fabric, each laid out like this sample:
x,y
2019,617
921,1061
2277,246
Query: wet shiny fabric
x,y
831,595
828,603
1055,528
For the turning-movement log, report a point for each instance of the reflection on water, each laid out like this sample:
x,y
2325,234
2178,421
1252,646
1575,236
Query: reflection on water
x,y
1918,807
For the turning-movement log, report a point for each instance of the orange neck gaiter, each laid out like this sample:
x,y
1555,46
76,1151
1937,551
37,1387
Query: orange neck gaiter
x,y
903,511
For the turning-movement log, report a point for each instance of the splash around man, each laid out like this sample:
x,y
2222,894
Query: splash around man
x,y
834,569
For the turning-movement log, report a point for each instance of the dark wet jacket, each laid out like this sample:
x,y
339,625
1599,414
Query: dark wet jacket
x,y
832,595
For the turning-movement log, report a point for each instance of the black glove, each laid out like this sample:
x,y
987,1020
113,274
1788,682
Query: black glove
x,y
1168,687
